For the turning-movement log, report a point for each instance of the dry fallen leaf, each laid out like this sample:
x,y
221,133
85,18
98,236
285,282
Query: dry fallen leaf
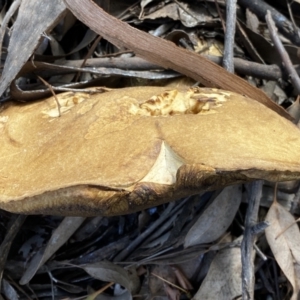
x,y
35,18
59,237
216,218
223,280
110,272
162,281
284,239
189,15
9,290
294,110
120,151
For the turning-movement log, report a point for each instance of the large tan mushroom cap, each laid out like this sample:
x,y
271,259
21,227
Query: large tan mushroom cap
x,y
123,150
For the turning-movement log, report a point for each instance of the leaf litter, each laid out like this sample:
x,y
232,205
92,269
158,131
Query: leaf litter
x,y
177,240
283,236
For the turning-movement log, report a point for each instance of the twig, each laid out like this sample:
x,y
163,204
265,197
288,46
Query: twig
x,y
165,215
255,192
185,10
252,51
244,67
288,4
220,15
284,25
229,35
53,93
282,52
241,66
170,283
89,54
121,256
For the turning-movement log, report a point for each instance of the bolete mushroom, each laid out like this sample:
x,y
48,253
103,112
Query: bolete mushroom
x,y
124,150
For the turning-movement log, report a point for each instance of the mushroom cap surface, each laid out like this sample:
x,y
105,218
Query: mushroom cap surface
x,y
119,151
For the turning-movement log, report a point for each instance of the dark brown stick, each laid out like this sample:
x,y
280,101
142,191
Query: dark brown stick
x,y
165,53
